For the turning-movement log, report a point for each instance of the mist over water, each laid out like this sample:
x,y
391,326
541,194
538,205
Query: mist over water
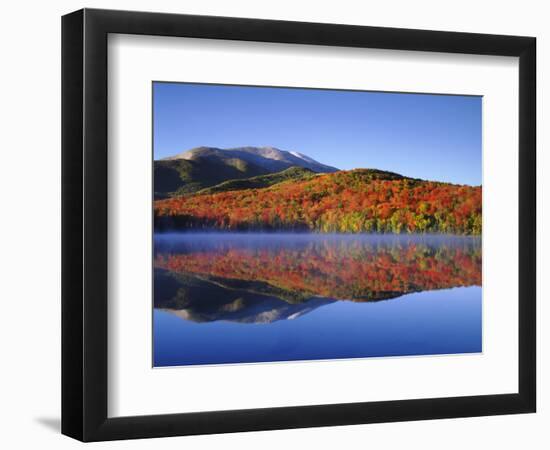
x,y
259,297
213,239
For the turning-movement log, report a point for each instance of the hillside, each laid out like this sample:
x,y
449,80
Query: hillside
x,y
181,176
360,200
260,181
204,167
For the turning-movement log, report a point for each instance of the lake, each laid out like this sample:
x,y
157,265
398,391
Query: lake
x,y
260,297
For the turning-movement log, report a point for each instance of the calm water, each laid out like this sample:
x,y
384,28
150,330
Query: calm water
x,y
234,298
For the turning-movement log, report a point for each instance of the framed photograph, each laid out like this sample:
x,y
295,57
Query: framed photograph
x,y
273,224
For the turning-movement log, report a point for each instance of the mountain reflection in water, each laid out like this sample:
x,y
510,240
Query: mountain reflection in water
x,y
263,278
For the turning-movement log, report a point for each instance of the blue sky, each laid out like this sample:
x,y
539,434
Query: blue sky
x,y
434,137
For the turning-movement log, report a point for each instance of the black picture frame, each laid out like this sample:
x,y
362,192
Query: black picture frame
x,y
84,224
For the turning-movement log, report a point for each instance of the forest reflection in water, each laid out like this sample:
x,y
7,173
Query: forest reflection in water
x,y
248,280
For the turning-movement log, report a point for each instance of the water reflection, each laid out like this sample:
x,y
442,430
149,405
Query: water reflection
x,y
259,278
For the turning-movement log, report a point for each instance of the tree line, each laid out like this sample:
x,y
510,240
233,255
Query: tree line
x,y
342,202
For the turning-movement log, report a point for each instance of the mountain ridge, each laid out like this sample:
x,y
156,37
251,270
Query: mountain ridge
x,y
268,157
203,167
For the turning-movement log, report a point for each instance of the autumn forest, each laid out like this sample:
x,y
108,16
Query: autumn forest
x,y
353,201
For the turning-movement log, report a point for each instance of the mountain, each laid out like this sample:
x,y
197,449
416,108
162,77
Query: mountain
x,y
269,158
203,167
354,201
